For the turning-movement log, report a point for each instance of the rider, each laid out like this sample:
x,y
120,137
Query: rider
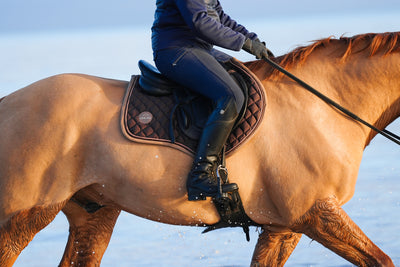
x,y
183,35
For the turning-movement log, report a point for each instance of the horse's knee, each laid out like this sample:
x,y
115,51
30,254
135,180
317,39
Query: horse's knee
x,y
274,249
20,229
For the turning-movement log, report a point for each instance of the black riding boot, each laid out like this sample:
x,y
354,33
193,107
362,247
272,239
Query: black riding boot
x,y
202,180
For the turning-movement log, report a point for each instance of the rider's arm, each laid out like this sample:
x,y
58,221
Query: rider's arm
x,y
229,22
194,12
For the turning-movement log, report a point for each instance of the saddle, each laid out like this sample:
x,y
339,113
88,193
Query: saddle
x,y
158,111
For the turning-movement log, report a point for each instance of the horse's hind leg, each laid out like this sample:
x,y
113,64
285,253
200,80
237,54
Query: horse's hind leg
x,y
327,223
89,234
17,232
273,249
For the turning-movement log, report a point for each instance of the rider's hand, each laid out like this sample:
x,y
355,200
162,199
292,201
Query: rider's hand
x,y
257,48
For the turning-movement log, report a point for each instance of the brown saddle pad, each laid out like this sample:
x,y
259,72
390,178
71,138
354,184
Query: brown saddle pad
x,y
146,118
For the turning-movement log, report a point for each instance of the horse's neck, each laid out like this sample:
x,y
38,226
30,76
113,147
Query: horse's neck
x,y
367,86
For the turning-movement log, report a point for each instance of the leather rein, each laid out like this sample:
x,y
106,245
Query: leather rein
x,y
389,135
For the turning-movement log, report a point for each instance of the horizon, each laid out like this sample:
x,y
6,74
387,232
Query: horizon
x,y
73,15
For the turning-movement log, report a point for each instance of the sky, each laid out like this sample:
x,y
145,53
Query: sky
x,y
21,16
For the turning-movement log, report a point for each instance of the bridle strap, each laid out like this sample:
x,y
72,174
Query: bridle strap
x,y
389,135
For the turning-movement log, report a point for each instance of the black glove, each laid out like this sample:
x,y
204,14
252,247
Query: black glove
x,y
257,48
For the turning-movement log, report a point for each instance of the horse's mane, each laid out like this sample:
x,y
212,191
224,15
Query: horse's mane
x,y
373,43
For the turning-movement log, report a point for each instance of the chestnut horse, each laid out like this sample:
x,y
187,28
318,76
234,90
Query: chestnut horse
x,y
61,140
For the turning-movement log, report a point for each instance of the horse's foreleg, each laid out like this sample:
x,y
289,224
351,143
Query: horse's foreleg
x,y
89,234
21,228
327,223
273,249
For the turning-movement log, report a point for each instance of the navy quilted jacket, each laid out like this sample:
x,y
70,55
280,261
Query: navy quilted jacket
x,y
201,23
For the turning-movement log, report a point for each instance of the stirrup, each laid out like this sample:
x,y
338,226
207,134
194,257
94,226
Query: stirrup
x,y
224,187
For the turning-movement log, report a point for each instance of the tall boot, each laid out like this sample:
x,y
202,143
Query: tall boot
x,y
202,181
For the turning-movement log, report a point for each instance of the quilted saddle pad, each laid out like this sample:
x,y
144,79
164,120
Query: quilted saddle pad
x,y
146,118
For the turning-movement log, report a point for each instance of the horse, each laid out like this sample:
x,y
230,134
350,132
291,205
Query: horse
x,y
61,141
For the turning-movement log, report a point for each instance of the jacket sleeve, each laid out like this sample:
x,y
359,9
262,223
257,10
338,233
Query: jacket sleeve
x,y
229,22
194,13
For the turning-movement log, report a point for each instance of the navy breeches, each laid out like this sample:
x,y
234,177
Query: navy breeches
x,y
196,69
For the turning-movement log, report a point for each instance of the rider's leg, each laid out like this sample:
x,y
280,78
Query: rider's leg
x,y
202,179
198,70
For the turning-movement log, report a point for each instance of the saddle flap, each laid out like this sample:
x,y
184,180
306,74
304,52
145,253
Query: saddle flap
x,y
192,113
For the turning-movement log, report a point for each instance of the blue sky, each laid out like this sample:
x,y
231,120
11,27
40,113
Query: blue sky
x,y
18,16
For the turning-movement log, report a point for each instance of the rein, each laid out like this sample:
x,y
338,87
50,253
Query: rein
x,y
389,135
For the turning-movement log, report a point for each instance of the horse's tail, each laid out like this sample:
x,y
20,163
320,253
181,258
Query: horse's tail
x,y
1,98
